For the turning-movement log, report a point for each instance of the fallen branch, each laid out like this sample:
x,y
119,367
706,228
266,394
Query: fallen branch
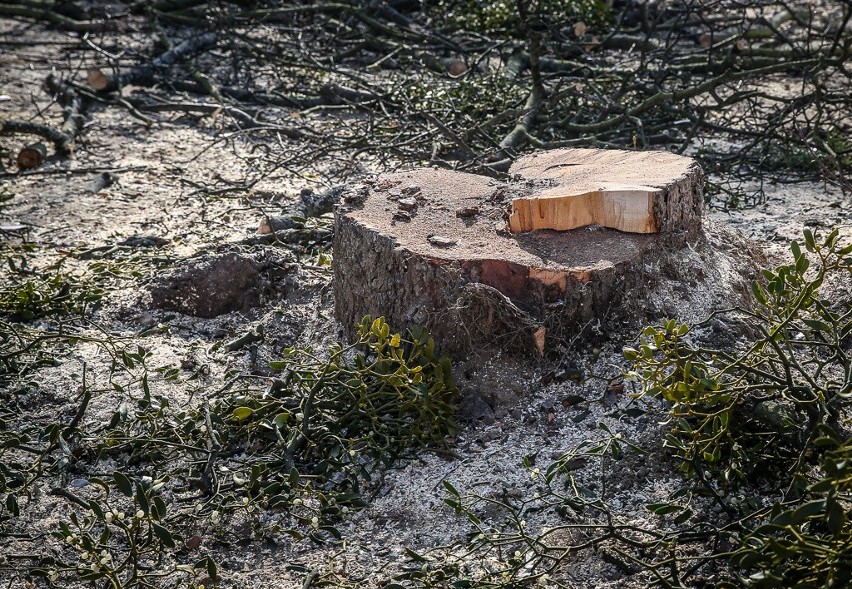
x,y
245,119
663,97
172,5
63,143
73,106
523,128
310,204
64,7
206,88
66,494
289,236
72,171
197,107
33,156
335,95
329,95
144,74
716,39
252,336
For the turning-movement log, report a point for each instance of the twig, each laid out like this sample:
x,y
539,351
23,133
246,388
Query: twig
x,y
250,337
310,579
74,171
81,409
60,492
209,480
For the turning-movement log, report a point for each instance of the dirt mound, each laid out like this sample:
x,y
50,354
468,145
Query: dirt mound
x,y
209,285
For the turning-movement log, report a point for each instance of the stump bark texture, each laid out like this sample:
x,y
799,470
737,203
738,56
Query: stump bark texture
x,y
566,245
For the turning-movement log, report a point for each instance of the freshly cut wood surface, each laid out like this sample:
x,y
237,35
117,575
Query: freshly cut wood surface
x,y
32,156
632,191
626,208
433,247
97,79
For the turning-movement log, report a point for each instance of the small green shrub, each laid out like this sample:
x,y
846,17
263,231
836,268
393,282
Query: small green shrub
x,y
773,407
331,422
768,409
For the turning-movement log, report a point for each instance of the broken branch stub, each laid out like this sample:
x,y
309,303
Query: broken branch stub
x,y
440,249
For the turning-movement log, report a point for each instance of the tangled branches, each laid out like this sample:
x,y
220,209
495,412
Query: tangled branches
x,y
750,88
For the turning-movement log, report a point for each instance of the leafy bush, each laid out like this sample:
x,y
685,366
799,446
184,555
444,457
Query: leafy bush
x,y
338,419
774,406
289,459
770,407
741,411
807,543
119,542
45,296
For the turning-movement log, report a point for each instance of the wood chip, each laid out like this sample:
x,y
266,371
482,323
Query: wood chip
x,y
439,241
538,339
467,212
407,204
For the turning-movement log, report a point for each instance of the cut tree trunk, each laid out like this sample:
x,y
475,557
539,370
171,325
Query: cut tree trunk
x,y
524,264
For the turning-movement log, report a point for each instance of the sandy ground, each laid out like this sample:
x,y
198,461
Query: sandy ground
x,y
162,174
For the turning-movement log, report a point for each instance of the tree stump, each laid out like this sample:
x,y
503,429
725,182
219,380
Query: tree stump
x,y
569,244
